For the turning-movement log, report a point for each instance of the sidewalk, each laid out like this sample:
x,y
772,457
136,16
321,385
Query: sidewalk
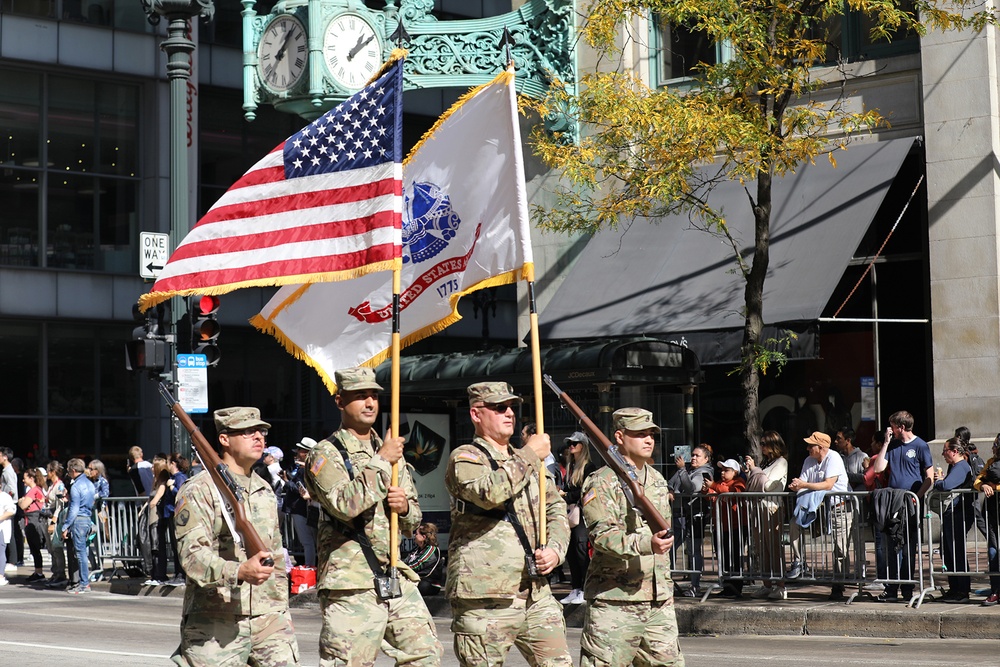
x,y
805,612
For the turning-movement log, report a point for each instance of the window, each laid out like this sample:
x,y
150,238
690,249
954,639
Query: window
x,y
121,14
849,38
229,145
69,182
679,49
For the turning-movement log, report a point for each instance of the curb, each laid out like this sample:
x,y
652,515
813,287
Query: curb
x,y
723,616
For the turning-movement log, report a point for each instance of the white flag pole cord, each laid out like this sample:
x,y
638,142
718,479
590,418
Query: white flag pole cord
x,y
536,374
394,415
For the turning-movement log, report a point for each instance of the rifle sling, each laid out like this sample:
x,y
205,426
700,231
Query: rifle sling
x,y
356,530
509,513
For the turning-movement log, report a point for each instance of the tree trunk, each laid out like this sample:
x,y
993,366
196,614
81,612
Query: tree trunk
x,y
754,319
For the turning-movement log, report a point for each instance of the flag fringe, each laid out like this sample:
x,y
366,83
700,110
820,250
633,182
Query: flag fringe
x,y
147,301
396,54
504,77
268,327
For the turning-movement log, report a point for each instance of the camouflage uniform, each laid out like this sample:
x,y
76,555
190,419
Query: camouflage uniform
x,y
494,602
226,622
355,621
630,613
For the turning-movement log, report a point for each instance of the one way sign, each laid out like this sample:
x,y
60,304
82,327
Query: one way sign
x,y
154,250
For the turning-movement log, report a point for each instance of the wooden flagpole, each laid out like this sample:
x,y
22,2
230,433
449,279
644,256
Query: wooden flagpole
x,y
536,373
394,413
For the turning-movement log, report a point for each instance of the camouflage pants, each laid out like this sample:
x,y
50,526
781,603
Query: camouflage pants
x,y
355,623
225,640
486,629
616,634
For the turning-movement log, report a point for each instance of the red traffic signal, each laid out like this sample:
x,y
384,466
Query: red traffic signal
x,y
205,327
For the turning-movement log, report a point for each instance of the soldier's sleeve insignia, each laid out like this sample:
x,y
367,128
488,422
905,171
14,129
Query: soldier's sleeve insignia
x,y
181,513
587,497
318,464
467,456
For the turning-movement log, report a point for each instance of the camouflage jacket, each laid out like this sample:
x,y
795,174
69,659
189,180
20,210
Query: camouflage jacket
x,y
623,567
485,557
211,559
342,565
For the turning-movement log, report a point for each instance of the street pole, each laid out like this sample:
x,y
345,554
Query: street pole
x,y
179,48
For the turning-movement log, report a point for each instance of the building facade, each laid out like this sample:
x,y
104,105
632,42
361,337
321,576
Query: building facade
x,y
84,114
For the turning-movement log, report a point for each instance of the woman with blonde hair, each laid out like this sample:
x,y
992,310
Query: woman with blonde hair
x,y
578,466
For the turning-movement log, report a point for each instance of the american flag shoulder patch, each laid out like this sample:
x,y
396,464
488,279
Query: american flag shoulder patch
x,y
466,456
318,464
587,497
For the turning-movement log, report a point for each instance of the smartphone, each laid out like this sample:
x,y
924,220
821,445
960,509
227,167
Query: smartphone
x,y
683,451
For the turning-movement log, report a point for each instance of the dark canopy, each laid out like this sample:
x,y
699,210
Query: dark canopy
x,y
663,278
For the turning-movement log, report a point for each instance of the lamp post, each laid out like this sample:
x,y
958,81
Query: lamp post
x,y
180,52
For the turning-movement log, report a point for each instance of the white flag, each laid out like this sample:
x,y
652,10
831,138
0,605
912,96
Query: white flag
x,y
465,227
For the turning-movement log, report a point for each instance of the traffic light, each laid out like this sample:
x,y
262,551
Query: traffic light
x,y
147,351
205,327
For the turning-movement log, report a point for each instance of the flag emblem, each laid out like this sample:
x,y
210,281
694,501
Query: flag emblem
x,y
429,223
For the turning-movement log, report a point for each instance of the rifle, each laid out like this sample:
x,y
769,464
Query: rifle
x,y
626,472
245,534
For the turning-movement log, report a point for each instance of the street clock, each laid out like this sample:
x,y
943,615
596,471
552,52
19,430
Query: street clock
x,y
352,50
282,53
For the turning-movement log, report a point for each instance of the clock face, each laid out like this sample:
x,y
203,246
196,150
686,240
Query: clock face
x,y
282,53
352,51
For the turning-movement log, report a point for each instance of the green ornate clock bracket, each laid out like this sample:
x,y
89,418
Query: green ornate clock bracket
x,y
442,54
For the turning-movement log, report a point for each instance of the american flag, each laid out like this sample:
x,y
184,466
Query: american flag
x,y
324,205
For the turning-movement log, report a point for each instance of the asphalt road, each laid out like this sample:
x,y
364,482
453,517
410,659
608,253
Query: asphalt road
x,y
41,628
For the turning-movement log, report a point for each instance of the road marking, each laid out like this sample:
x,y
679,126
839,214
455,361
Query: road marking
x,y
97,620
77,649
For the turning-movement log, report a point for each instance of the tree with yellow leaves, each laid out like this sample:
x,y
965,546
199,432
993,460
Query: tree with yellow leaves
x,y
647,152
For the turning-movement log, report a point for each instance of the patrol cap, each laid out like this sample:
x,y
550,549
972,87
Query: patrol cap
x,y
356,379
578,436
306,444
234,419
819,438
633,419
492,392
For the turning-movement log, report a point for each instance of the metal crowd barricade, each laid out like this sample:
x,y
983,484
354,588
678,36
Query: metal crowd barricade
x,y
957,546
118,536
692,522
831,548
902,541
750,538
749,532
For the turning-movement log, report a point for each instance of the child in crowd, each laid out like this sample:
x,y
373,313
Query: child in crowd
x,y
727,524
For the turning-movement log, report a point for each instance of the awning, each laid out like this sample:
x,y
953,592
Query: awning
x,y
624,361
664,278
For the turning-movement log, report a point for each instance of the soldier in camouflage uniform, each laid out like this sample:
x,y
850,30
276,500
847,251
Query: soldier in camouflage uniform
x,y
355,620
495,603
630,613
235,606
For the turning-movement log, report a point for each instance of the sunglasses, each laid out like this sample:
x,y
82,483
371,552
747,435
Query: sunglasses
x,y
499,408
248,432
